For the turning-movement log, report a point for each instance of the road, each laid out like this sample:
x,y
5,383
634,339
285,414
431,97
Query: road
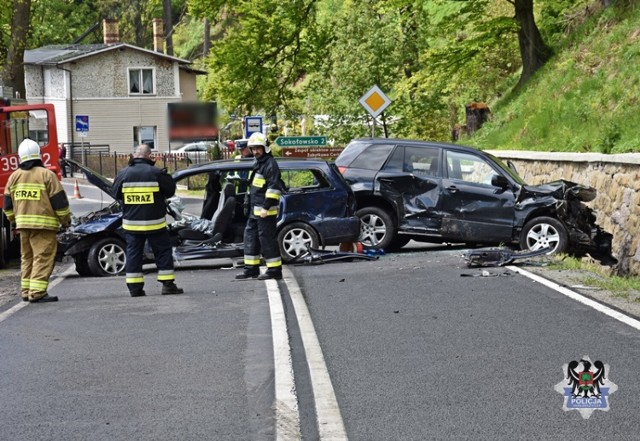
x,y
402,348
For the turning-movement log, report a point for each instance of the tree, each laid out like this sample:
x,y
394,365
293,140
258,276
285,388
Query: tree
x,y
533,50
12,55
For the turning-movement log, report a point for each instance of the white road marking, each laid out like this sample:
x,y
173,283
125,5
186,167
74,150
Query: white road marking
x,y
9,312
579,298
286,406
330,423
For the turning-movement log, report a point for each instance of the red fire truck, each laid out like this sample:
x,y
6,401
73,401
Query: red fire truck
x,y
18,121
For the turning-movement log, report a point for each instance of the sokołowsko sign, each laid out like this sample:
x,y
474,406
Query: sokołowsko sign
x,y
311,152
300,141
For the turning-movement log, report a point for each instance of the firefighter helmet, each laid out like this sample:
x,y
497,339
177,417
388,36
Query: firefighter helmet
x,y
258,139
29,150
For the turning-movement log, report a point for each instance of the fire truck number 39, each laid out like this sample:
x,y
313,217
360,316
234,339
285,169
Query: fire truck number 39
x,y
11,162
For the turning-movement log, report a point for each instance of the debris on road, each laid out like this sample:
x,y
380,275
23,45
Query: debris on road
x,y
498,256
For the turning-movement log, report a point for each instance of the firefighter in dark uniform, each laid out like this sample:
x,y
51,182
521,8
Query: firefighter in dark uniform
x,y
142,190
36,204
260,234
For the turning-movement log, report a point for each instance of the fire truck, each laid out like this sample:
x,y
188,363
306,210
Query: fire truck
x,y
18,121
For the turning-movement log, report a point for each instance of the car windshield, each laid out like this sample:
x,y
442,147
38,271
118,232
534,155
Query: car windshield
x,y
507,170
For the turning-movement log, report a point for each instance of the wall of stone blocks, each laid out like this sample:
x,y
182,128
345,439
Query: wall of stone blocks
x,y
617,181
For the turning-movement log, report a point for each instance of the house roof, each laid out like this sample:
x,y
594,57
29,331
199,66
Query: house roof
x,y
65,53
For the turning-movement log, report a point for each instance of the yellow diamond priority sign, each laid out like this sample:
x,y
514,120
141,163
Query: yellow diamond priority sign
x,y
375,101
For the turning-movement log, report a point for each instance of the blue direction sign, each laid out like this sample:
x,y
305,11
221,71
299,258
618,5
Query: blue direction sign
x,y
82,123
252,124
300,141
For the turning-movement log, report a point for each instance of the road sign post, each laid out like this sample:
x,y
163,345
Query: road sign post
x,y
82,128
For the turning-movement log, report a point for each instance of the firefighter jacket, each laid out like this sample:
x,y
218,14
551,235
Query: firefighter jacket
x,y
35,199
142,190
266,186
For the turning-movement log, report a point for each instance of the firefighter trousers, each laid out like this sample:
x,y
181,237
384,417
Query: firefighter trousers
x,y
162,252
260,236
38,254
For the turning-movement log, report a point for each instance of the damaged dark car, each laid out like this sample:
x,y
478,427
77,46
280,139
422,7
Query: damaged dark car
x,y
437,192
208,220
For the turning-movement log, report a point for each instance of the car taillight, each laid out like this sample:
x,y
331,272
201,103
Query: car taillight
x,y
342,169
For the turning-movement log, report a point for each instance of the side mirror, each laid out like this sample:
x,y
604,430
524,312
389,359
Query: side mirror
x,y
499,181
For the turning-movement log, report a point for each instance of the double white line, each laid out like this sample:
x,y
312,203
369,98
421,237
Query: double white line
x,y
330,424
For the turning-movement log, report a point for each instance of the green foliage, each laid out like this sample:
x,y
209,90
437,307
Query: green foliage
x,y
584,99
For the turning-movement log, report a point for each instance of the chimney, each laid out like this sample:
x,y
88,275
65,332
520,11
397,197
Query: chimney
x,y
110,31
158,35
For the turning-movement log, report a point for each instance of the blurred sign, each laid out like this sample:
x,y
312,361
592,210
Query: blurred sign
x,y
375,101
252,124
190,122
300,141
82,123
311,152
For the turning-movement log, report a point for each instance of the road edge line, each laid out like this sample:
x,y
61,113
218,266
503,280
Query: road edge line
x,y
286,398
330,423
15,308
579,298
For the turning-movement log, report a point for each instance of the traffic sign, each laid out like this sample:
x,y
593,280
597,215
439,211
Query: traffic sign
x,y
82,123
311,152
252,124
300,141
375,101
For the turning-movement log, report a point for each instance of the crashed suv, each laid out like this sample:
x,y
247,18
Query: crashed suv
x,y
437,192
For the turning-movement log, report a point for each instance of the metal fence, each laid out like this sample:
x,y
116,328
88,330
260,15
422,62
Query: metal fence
x,y
108,164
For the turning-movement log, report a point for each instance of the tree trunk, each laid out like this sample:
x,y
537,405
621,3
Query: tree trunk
x,y
207,38
533,50
13,71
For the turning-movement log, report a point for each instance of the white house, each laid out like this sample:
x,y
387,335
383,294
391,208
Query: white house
x,y
123,89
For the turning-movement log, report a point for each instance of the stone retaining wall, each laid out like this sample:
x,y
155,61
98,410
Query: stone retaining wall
x,y
615,177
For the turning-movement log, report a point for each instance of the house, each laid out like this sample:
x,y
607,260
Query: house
x,y
124,90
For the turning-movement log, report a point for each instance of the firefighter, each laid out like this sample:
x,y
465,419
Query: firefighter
x,y
142,190
36,205
260,234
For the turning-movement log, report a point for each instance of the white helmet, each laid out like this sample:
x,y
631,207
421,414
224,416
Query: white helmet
x,y
257,139
29,150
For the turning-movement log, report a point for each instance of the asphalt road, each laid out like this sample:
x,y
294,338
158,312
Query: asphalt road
x,y
412,351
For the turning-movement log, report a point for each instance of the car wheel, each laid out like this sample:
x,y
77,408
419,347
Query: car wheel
x,y
82,264
542,232
294,240
376,228
107,257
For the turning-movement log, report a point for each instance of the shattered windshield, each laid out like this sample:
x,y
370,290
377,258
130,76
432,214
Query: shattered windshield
x,y
507,170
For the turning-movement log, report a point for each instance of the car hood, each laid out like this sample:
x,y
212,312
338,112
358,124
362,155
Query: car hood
x,y
95,178
560,189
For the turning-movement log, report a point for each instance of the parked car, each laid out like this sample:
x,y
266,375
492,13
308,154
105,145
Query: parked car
x,y
437,192
318,209
195,151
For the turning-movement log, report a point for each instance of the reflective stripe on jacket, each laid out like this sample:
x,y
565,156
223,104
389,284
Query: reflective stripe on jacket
x,y
142,190
266,186
35,199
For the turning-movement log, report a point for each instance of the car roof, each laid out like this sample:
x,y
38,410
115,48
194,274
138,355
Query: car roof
x,y
246,163
418,143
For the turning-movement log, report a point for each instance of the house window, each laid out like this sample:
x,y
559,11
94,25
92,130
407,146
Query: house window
x,y
141,82
144,135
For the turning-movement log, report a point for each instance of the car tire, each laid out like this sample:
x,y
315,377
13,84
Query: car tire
x,y
376,228
107,257
82,264
542,232
294,238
